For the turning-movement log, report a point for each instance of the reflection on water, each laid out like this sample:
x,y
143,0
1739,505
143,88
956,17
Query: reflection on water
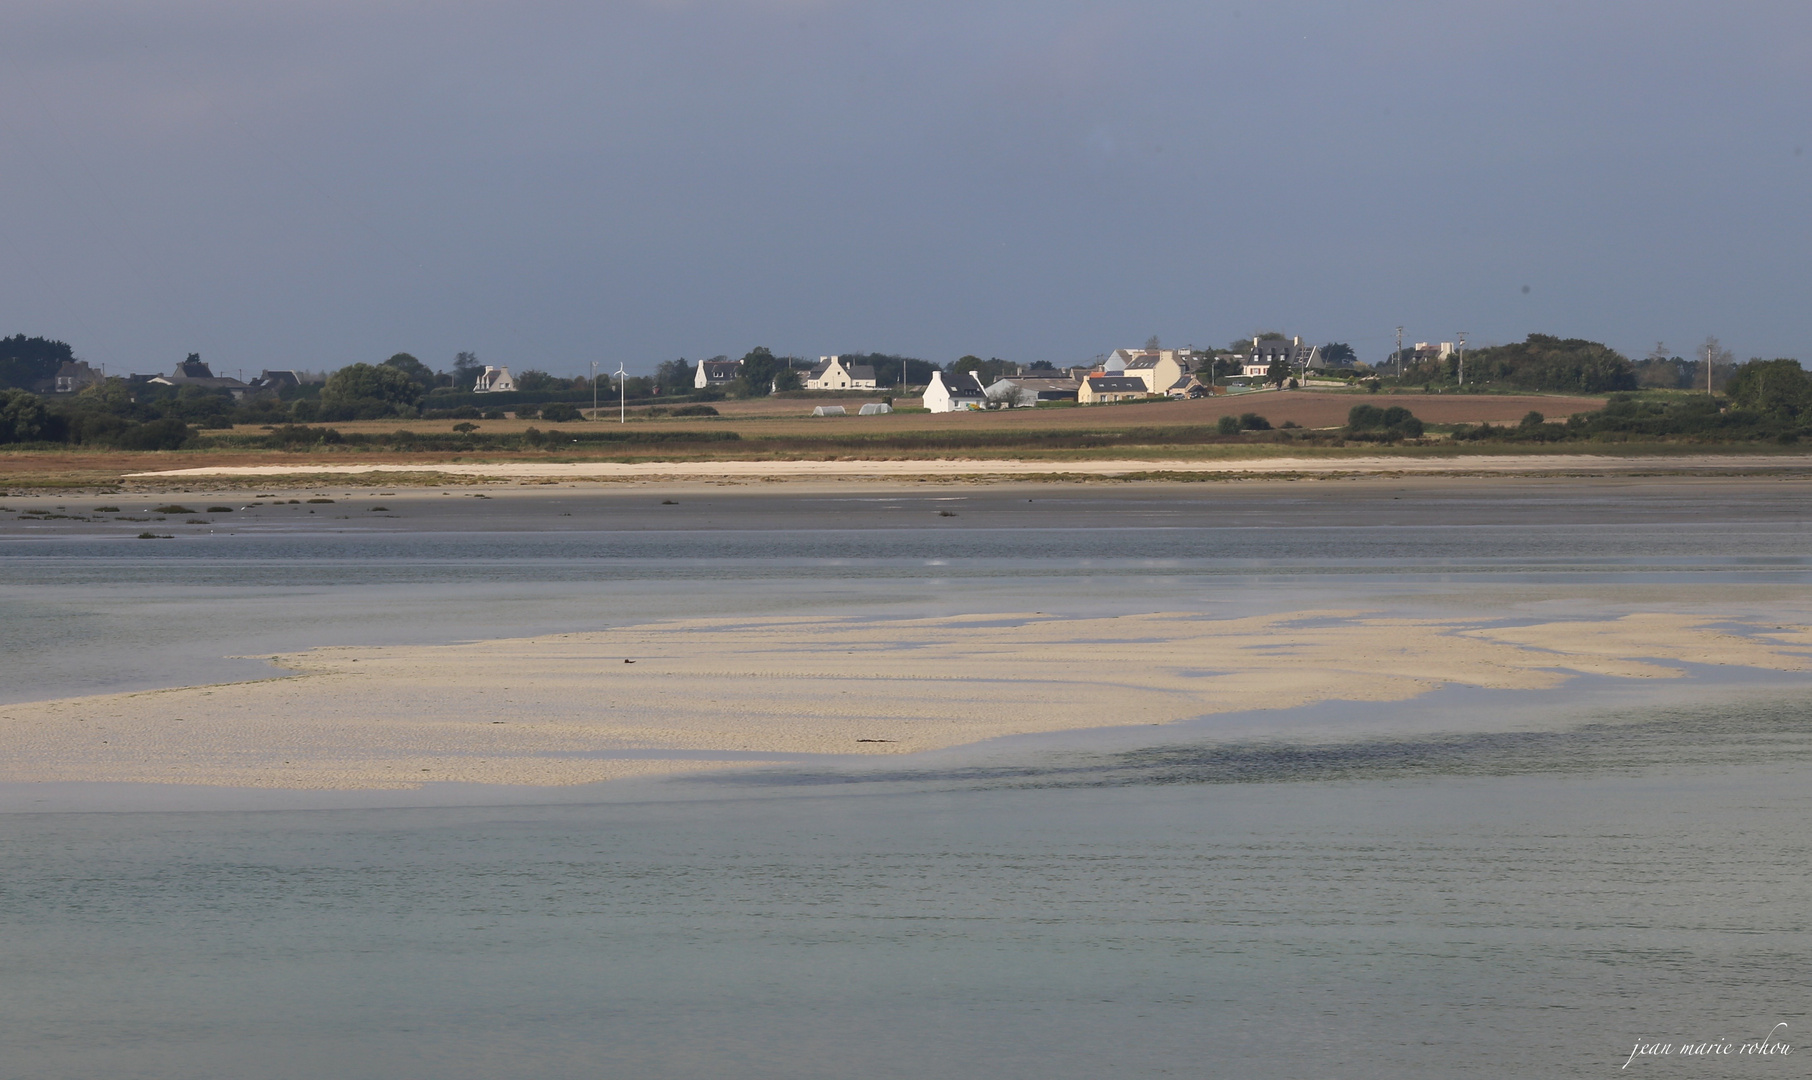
x,y
1776,733
1385,925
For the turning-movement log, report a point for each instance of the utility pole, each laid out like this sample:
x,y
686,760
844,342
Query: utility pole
x,y
623,391
1462,336
594,389
1399,352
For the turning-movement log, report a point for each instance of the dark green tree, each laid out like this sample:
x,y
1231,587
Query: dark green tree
x,y
675,376
1780,389
22,417
760,370
536,381
26,362
1545,362
362,391
1339,353
466,370
421,374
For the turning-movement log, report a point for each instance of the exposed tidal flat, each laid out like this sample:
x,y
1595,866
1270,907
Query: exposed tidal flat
x,y
1391,778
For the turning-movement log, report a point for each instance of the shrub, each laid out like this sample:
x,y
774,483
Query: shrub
x,y
1253,422
173,508
22,417
560,412
1394,422
1227,425
695,410
166,434
298,435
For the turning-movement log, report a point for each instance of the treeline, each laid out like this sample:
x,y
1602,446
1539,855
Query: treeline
x,y
1539,362
299,437
1764,400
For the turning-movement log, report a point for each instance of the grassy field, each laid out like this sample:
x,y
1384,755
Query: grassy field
x,y
783,429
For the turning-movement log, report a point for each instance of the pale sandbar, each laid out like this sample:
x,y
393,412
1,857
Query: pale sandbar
x,y
666,697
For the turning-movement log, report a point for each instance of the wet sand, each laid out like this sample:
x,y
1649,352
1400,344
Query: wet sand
x,y
259,505
567,709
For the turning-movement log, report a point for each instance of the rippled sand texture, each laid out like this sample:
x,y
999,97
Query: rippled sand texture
x,y
552,710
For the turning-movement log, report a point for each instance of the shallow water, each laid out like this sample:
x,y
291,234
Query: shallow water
x,y
1483,884
1376,927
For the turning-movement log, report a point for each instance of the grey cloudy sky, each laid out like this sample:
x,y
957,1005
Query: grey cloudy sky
x,y
314,183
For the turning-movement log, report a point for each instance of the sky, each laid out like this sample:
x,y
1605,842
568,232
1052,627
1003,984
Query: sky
x,y
318,182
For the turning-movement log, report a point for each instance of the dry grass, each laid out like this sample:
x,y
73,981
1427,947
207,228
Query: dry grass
x,y
788,417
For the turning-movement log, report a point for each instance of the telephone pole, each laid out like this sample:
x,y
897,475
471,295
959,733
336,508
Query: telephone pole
x,y
1462,336
1399,353
623,390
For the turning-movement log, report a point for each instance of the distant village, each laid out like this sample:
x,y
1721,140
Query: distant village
x,y
1121,375
48,395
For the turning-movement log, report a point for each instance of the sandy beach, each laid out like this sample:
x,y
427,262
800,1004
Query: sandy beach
x,y
693,694
747,471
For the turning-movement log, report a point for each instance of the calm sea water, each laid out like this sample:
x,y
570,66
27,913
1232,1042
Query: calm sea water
x,y
1510,886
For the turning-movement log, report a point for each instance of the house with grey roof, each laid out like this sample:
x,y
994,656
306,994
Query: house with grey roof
x,y
716,373
954,392
1101,389
1023,391
831,373
1296,357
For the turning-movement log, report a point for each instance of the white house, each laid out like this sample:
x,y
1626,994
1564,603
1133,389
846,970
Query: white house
x,y
833,374
716,373
955,393
494,380
1293,354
